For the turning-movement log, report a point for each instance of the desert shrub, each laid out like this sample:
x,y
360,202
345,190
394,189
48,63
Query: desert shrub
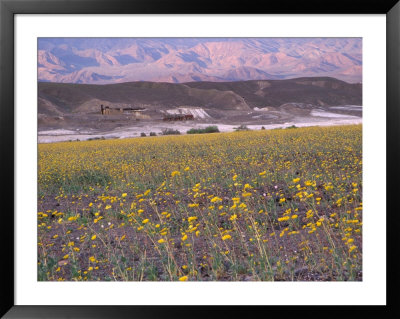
x,y
208,129
194,131
142,134
153,134
211,129
170,131
293,126
242,128
262,127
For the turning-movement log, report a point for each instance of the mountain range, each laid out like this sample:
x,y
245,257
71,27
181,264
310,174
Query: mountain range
x,y
180,60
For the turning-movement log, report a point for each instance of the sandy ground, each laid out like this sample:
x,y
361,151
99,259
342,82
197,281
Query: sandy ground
x,y
269,120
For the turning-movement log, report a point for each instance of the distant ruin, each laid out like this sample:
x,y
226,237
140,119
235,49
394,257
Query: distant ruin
x,y
178,117
106,110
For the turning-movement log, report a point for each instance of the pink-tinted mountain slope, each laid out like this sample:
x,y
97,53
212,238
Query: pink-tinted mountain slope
x,y
113,60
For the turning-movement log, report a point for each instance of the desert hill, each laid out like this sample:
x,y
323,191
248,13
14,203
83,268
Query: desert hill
x,y
66,98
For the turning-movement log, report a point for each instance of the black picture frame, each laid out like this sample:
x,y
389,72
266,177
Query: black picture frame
x,y
8,9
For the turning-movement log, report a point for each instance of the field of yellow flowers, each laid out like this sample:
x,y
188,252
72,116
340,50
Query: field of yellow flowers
x,y
266,205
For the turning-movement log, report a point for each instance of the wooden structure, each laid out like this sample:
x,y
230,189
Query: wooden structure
x,y
106,110
178,117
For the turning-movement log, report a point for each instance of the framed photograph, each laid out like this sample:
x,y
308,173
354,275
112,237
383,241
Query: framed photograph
x,y
169,154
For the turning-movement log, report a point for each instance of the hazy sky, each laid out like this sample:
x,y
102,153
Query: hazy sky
x,y
105,44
